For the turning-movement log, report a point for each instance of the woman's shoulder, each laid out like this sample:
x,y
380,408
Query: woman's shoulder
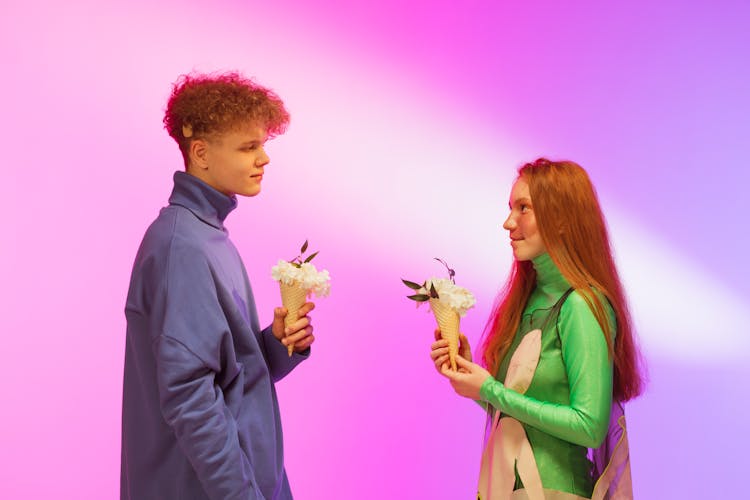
x,y
582,305
579,299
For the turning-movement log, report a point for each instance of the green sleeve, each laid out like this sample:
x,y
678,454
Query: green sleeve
x,y
584,349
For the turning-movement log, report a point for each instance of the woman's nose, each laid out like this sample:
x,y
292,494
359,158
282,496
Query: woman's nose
x,y
509,223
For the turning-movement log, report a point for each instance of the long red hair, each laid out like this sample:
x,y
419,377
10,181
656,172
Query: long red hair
x,y
574,231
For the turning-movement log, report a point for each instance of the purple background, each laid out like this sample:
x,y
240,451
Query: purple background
x,y
409,120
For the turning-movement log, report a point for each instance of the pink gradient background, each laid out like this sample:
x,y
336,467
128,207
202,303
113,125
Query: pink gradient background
x,y
409,119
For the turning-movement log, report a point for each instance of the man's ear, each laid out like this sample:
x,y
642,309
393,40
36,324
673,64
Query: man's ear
x,y
198,154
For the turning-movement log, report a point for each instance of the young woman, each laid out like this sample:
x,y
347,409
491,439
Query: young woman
x,y
559,350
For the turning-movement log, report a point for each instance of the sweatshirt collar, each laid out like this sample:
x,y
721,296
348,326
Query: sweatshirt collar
x,y
205,202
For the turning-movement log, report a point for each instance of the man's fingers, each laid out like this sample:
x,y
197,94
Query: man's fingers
x,y
304,333
306,308
304,343
298,325
298,335
300,345
280,312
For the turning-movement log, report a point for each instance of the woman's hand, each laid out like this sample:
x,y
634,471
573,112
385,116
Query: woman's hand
x,y
468,379
439,353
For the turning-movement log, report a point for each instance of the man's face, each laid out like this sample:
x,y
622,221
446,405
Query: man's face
x,y
234,161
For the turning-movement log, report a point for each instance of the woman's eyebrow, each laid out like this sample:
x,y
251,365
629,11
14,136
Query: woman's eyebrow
x,y
517,201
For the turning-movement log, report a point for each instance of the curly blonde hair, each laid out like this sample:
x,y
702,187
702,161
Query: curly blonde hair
x,y
205,105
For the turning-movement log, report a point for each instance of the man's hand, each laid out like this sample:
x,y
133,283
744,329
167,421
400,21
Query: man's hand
x,y
468,379
300,333
439,353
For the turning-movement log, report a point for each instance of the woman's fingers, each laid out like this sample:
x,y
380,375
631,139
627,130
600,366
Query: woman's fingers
x,y
463,347
435,353
439,343
439,352
463,363
441,362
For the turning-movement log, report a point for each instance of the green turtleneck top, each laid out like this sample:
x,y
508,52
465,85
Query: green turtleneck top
x,y
566,408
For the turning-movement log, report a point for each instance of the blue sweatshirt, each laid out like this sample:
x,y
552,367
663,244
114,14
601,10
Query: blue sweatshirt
x,y
200,417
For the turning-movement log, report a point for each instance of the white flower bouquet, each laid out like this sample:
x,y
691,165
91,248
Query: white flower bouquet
x,y
448,301
299,279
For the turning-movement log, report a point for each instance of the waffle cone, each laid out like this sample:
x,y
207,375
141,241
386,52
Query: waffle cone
x,y
292,298
448,321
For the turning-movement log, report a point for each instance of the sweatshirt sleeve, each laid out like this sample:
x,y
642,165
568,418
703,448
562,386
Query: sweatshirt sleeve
x,y
193,406
277,355
188,359
584,349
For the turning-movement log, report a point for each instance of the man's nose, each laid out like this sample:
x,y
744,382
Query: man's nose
x,y
263,159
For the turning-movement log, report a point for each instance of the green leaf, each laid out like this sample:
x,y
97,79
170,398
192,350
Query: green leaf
x,y
296,265
304,247
411,284
419,297
312,256
433,292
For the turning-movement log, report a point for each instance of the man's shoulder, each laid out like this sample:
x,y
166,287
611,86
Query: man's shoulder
x,y
172,231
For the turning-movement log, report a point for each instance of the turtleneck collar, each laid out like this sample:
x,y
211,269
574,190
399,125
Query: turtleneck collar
x,y
550,283
205,202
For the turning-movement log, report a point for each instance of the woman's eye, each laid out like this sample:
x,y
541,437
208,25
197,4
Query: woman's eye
x,y
524,208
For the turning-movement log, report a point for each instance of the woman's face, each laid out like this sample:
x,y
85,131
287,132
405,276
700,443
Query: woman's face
x,y
521,224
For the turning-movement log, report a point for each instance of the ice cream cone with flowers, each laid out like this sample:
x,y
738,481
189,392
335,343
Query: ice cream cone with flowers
x,y
448,302
299,279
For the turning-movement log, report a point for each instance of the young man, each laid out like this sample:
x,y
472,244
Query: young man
x,y
200,418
